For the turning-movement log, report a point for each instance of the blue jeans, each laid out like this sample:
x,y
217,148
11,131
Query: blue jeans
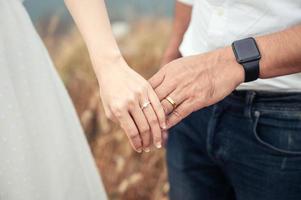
x,y
246,147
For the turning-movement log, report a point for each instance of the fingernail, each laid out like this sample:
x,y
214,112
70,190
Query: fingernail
x,y
164,127
139,150
147,149
158,145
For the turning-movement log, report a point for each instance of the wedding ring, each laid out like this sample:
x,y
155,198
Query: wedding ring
x,y
145,105
172,102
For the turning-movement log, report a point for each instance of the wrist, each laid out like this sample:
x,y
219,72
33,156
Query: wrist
x,y
171,54
235,69
104,65
174,43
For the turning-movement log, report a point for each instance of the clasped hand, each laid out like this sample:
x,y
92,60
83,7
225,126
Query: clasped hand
x,y
145,110
196,82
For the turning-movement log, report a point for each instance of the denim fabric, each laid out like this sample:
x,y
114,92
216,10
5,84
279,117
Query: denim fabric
x,y
246,147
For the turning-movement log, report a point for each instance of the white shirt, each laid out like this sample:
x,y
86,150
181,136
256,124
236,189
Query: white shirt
x,y
217,23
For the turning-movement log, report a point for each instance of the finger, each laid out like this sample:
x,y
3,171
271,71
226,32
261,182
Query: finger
x,y
182,111
157,78
157,108
128,125
178,96
154,125
142,125
165,88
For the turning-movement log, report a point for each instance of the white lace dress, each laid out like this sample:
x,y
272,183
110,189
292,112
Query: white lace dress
x,y
43,152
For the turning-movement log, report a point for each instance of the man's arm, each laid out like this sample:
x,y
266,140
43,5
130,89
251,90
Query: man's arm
x,y
179,27
198,81
281,53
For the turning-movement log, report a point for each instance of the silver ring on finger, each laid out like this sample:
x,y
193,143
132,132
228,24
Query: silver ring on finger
x,y
144,105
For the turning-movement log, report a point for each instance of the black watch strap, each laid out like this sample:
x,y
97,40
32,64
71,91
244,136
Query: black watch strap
x,y
251,70
247,54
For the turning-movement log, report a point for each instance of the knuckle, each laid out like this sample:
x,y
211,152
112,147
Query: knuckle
x,y
141,90
130,99
130,103
145,86
138,92
177,113
133,134
116,110
145,131
153,121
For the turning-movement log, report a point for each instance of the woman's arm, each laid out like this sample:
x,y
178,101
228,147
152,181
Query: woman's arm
x,y
93,23
123,91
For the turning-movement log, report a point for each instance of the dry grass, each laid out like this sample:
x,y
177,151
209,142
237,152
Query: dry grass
x,y
126,174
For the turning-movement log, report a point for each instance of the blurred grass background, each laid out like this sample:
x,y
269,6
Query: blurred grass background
x,y
126,174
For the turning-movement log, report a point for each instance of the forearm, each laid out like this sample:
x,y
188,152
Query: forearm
x,y
180,24
281,53
128,99
93,23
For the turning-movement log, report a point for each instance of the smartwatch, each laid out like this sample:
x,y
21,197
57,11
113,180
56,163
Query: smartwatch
x,y
247,54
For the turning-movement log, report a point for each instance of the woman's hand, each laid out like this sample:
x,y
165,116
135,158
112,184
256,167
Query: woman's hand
x,y
130,100
126,96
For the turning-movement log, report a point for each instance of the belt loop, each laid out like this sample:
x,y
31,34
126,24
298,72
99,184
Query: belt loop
x,y
250,95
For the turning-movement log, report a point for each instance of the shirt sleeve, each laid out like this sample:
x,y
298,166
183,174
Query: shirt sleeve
x,y
188,2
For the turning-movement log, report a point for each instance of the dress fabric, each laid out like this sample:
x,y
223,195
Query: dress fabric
x,y
44,154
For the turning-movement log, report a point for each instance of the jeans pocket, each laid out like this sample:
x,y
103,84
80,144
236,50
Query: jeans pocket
x,y
278,131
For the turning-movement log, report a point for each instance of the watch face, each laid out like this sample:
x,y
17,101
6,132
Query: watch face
x,y
246,50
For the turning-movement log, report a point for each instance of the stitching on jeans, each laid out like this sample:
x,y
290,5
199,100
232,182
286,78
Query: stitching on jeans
x,y
267,145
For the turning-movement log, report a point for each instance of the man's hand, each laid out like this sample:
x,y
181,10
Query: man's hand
x,y
196,82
